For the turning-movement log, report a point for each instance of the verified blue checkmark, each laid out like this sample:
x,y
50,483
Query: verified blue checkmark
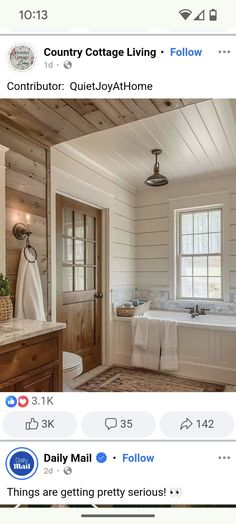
x,y
101,457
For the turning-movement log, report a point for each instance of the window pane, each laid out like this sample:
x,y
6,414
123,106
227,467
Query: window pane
x,y
214,221
214,266
90,253
79,225
215,243
201,222
187,223
214,287
67,250
67,279
79,252
200,287
200,244
186,266
200,249
67,222
200,266
90,228
186,244
79,278
186,287
90,278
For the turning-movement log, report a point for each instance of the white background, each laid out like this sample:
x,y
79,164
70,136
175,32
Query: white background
x,y
210,76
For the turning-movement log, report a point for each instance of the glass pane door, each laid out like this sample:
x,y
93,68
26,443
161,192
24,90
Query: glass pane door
x,y
79,251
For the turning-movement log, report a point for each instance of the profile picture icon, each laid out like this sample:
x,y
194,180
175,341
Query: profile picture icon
x,y
21,463
22,57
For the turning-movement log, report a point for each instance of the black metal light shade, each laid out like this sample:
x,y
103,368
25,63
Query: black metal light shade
x,y
156,179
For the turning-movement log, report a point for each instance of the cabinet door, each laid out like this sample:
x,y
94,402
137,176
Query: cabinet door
x,y
28,356
41,382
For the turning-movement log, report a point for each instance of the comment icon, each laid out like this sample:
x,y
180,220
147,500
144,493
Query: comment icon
x,y
111,423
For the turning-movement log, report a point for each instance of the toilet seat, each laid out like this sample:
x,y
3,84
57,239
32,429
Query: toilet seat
x,y
72,369
71,361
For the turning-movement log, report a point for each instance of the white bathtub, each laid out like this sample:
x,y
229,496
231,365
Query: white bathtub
x,y
206,345
226,322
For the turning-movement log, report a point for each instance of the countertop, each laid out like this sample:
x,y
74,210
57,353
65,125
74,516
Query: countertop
x,y
17,330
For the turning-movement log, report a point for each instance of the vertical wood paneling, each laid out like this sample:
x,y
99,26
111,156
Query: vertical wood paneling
x,y
26,192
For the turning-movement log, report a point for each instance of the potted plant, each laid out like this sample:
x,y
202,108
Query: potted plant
x,y
6,308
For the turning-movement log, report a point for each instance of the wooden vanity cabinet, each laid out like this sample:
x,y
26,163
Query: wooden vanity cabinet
x,y
34,364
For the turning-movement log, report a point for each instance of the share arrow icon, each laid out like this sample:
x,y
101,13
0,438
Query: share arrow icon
x,y
186,424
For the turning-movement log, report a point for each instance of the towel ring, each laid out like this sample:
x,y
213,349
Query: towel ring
x,y
35,255
20,231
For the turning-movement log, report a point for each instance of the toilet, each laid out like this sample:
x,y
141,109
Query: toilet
x,y
72,369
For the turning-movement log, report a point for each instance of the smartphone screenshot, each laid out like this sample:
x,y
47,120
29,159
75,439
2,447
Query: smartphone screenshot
x,y
118,261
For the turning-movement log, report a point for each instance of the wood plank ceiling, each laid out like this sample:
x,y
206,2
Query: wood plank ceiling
x,y
52,121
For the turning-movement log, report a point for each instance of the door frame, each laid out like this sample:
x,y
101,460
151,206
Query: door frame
x,y
105,268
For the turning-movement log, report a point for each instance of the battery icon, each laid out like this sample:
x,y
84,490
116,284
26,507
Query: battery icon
x,y
213,15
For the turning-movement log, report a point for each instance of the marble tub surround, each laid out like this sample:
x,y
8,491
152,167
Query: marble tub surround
x,y
18,330
158,296
120,295
182,318
160,300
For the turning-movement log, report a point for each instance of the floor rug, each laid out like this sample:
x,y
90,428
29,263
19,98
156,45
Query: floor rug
x,y
129,379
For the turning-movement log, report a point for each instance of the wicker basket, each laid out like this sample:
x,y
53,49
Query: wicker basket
x,y
6,309
133,311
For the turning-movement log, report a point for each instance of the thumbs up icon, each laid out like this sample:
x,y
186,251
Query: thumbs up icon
x,y
32,424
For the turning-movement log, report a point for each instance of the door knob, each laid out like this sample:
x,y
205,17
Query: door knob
x,y
99,294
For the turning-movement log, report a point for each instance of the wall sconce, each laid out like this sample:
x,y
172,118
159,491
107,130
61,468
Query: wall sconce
x,y
28,220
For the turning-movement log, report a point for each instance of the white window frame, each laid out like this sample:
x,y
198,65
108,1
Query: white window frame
x,y
179,255
194,203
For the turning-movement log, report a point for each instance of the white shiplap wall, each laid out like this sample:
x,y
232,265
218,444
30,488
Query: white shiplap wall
x,y
139,228
152,227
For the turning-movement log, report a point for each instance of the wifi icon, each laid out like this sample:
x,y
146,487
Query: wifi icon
x,y
185,13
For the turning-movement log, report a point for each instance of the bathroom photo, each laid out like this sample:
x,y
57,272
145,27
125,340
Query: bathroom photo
x,y
118,245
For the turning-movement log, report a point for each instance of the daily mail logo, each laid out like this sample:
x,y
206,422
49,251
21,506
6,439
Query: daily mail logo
x,y
21,463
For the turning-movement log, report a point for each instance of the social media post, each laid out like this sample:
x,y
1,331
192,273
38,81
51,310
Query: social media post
x,y
128,230
118,268
114,66
130,473
72,456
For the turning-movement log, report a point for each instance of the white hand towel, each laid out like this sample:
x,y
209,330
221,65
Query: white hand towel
x,y
148,332
154,335
169,355
139,327
29,295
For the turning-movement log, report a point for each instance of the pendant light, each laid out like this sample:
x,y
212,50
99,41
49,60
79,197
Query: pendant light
x,y
156,180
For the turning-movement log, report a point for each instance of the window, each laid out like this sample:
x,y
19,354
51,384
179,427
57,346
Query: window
x,y
79,251
199,254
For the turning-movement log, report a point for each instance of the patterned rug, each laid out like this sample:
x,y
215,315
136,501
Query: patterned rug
x,y
130,379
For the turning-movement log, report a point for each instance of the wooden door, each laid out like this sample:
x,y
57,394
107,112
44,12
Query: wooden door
x,y
79,279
